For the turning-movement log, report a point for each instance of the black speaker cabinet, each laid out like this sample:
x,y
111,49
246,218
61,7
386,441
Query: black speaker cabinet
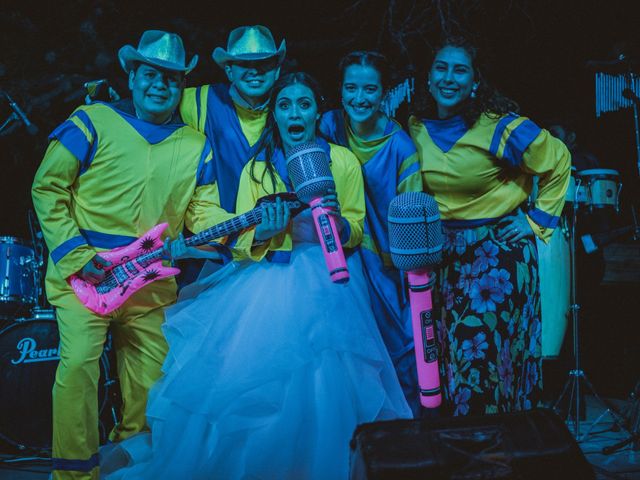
x,y
532,445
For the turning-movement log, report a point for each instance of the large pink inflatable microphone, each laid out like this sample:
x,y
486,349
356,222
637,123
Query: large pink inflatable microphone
x,y
308,168
415,240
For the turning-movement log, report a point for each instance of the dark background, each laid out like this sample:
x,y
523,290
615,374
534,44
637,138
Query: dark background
x,y
538,53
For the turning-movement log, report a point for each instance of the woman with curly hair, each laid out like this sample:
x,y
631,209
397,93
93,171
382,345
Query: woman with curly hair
x,y
478,158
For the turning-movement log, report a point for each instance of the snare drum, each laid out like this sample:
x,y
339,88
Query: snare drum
x,y
602,187
29,354
18,277
554,275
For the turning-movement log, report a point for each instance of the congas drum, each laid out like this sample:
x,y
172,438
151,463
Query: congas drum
x,y
29,354
602,187
555,278
18,277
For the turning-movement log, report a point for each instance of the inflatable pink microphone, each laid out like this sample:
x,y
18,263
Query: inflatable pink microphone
x,y
308,168
415,241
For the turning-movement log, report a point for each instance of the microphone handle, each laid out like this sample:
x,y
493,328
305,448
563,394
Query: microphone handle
x,y
330,242
424,338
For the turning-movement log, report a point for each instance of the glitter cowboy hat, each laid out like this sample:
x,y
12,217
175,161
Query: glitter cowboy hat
x,y
249,43
157,48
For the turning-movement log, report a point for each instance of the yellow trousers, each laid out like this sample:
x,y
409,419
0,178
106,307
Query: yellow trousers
x,y
140,351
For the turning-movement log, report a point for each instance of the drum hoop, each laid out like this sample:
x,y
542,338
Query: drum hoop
x,y
16,241
598,171
22,321
4,298
592,178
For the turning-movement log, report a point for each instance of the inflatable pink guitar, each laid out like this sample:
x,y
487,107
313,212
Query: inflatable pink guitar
x,y
140,263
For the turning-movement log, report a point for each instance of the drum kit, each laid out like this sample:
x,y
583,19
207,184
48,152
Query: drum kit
x,y
29,351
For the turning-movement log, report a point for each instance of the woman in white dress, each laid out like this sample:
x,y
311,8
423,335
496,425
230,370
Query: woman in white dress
x,y
271,369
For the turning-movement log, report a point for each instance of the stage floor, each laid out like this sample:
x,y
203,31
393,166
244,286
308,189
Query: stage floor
x,y
596,433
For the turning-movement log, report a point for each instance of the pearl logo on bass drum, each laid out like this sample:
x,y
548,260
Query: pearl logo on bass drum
x,y
28,352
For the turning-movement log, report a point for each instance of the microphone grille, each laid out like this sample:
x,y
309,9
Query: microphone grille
x,y
415,232
309,171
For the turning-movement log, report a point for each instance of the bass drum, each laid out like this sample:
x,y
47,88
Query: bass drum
x,y
555,279
29,355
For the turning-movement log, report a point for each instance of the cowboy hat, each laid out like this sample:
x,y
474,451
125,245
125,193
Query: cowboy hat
x,y
157,48
249,43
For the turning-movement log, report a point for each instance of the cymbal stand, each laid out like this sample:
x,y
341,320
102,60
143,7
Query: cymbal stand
x,y
578,381
42,307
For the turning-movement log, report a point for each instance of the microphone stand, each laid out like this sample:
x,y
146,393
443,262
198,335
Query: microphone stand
x,y
577,377
12,117
7,122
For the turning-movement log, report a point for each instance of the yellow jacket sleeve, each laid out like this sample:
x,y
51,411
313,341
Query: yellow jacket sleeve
x,y
193,106
413,181
51,193
350,189
550,159
249,192
204,208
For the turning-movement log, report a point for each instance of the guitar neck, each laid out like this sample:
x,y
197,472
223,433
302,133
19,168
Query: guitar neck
x,y
233,225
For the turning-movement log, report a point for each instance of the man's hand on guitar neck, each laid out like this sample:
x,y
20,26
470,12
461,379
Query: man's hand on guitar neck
x,y
177,249
94,271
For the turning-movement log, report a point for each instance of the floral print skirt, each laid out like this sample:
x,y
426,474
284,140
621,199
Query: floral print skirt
x,y
490,328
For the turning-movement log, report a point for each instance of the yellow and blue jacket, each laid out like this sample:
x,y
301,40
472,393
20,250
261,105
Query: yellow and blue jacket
x,y
390,166
232,130
479,174
349,188
107,177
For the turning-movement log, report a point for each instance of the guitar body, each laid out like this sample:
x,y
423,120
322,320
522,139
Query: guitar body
x,y
140,263
125,275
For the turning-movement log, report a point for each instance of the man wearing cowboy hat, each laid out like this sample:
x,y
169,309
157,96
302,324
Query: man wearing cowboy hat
x,y
112,172
233,116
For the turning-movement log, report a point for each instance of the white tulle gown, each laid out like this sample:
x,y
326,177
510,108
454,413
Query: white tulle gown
x,y
269,371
